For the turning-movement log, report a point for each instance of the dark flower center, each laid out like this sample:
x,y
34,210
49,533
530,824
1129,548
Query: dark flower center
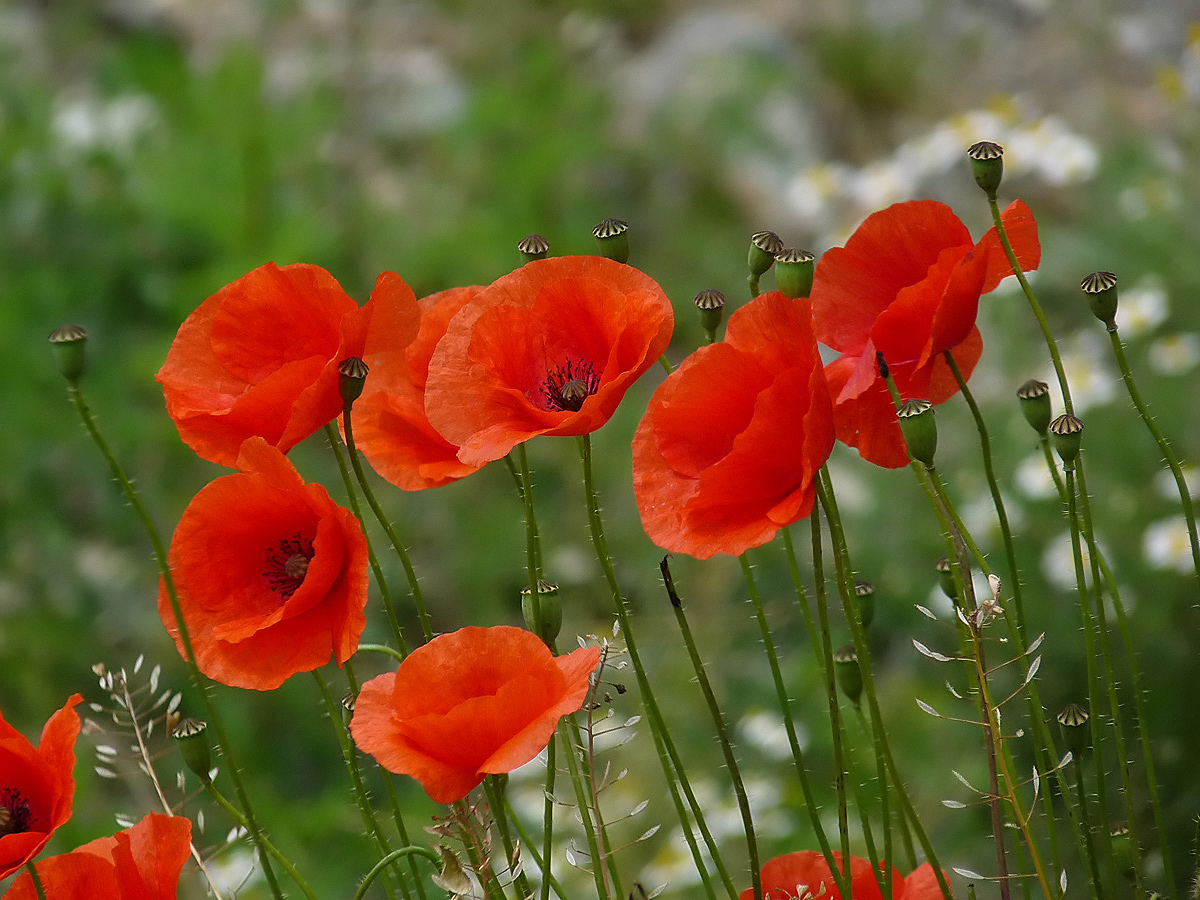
x,y
14,812
287,564
568,385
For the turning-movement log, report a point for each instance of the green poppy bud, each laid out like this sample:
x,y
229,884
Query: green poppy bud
x,y
987,165
946,577
193,745
919,428
613,239
1066,433
1100,288
794,273
1034,396
864,594
763,247
711,304
533,247
1074,722
549,606
69,343
849,675
1124,854
352,377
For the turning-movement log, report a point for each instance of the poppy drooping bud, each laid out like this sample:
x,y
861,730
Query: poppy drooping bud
x,y
612,238
987,165
1034,396
192,742
764,245
864,594
352,376
849,675
946,578
1101,291
69,343
544,619
1066,433
794,273
920,429
533,247
1074,718
711,304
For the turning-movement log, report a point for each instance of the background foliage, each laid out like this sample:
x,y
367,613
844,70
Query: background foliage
x,y
153,150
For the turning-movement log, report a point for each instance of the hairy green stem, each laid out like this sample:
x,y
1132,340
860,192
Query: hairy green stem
x,y
410,852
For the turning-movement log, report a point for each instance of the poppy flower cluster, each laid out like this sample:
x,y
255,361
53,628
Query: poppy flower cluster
x,y
260,357
475,702
805,875
907,286
139,863
37,786
548,349
271,574
732,441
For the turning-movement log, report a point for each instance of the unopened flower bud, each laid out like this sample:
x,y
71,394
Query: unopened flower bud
x,y
794,273
544,620
1074,722
849,675
1124,854
1034,396
763,247
533,247
613,239
352,377
987,165
69,343
1066,433
864,594
919,428
192,742
711,304
1100,288
946,577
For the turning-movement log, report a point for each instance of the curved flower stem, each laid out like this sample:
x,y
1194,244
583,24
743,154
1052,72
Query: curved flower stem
x,y
37,881
381,648
199,682
413,851
352,496
494,788
718,719
985,446
270,848
1096,718
350,757
835,720
674,769
1185,495
388,785
413,584
829,504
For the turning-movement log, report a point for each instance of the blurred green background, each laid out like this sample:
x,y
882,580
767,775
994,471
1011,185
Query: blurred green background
x,y
153,150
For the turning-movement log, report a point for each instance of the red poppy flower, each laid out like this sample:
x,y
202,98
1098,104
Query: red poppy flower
x,y
260,357
731,442
475,702
271,574
390,425
37,786
140,863
805,876
907,284
548,349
